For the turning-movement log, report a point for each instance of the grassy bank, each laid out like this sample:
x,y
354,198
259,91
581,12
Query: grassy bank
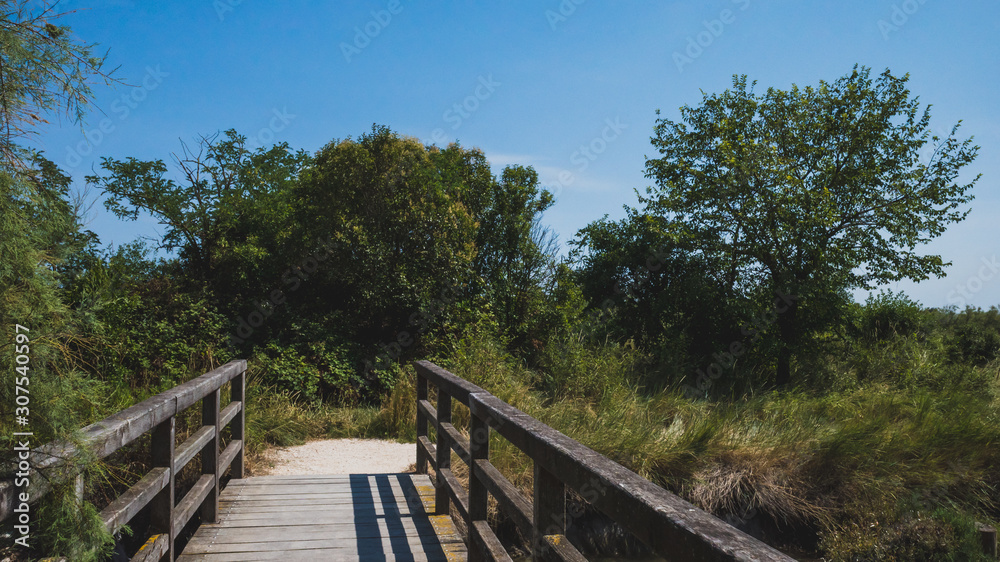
x,y
874,472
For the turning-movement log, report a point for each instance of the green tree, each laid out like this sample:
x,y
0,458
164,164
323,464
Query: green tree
x,y
223,214
402,233
811,190
514,253
43,70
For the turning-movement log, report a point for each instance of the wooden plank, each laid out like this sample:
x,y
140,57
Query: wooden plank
x,y
227,414
161,509
371,517
430,452
449,383
458,442
233,449
428,412
381,543
484,543
155,548
454,489
443,452
313,556
120,511
988,539
192,500
192,446
280,480
412,527
481,536
509,499
557,548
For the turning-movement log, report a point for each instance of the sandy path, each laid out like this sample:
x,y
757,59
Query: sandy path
x,y
341,456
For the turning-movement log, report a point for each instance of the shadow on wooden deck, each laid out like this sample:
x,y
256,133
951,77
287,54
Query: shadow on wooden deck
x,y
378,517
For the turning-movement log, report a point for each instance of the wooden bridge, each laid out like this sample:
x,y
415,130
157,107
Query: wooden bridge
x,y
378,517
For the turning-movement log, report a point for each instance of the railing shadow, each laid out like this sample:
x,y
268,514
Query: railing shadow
x,y
390,521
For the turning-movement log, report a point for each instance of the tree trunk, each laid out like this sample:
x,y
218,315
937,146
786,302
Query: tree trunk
x,y
784,366
786,307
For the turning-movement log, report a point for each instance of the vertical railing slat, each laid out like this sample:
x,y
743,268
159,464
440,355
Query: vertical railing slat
x,y
210,456
441,504
162,446
421,425
549,509
237,427
479,449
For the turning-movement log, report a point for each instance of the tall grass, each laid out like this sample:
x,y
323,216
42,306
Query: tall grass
x,y
878,471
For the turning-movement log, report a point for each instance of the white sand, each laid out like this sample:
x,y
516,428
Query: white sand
x,y
341,456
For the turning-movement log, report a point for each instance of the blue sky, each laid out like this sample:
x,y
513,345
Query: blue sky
x,y
567,86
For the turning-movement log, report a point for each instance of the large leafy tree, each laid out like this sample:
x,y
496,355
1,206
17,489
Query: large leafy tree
x,y
223,208
401,232
808,191
514,254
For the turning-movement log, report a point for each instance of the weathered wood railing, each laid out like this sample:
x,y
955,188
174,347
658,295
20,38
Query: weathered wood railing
x,y
670,526
156,489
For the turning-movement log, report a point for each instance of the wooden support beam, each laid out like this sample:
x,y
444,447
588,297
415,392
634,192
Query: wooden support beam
x,y
421,424
161,509
479,449
443,453
237,431
988,538
550,510
210,456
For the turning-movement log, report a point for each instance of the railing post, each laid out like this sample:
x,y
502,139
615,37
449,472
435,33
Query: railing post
x,y
443,452
421,424
161,511
479,449
549,510
988,539
237,427
210,456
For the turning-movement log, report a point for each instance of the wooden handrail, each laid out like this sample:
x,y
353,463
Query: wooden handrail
x,y
156,489
668,525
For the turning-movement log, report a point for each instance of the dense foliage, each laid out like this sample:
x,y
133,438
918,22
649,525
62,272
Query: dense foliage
x,y
810,191
657,341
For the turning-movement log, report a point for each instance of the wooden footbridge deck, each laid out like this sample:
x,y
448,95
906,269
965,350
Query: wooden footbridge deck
x,y
378,517
337,517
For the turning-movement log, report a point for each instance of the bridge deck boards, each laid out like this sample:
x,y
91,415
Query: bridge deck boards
x,y
337,517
